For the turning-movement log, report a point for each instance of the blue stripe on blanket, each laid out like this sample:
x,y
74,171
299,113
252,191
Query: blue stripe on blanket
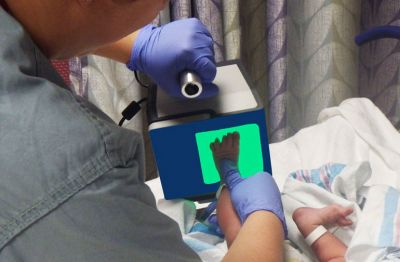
x,y
207,228
199,227
197,245
386,236
322,177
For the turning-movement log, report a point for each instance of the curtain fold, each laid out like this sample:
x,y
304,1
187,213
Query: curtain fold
x,y
379,60
254,51
231,29
276,28
322,58
210,13
181,9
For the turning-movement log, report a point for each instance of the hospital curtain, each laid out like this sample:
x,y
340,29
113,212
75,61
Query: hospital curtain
x,y
313,62
379,61
300,55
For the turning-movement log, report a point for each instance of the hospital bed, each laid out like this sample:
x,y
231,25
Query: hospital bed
x,y
352,158
352,155
353,147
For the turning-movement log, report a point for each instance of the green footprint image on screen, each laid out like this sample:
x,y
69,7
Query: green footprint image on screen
x,y
250,152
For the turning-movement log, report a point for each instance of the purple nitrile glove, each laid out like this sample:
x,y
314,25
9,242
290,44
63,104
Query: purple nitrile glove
x,y
255,193
214,225
165,52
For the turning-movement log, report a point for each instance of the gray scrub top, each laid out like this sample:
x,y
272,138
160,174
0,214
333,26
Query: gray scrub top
x,y
71,181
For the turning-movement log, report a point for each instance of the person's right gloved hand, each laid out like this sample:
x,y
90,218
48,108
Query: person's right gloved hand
x,y
255,193
165,52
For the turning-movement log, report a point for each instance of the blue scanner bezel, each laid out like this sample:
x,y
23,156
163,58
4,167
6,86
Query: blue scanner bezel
x,y
180,172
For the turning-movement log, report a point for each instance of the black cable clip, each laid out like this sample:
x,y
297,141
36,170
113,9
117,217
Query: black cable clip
x,y
131,110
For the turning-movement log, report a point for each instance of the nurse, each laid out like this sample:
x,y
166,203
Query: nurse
x,y
71,181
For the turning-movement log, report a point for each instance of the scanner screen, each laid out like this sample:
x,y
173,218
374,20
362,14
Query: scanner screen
x,y
250,151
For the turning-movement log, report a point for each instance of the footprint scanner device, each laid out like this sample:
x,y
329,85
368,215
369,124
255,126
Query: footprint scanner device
x,y
181,131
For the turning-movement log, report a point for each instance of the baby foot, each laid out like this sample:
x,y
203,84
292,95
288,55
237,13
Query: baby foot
x,y
330,215
228,149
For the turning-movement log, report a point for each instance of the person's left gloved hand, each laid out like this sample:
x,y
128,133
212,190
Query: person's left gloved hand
x,y
165,52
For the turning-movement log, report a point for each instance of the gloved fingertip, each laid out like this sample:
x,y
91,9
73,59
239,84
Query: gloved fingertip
x,y
218,230
210,71
200,25
209,90
212,219
205,67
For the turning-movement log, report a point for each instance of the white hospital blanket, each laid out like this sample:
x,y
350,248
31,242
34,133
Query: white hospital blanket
x,y
204,242
355,131
364,151
209,246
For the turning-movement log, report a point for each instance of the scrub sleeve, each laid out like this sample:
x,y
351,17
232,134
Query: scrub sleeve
x,y
71,181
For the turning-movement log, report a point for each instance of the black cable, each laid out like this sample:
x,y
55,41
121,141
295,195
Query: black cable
x,y
122,121
133,108
138,80
152,115
142,100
